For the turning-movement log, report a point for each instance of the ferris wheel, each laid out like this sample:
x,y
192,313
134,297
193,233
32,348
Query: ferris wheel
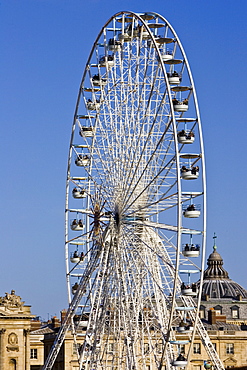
x,y
135,202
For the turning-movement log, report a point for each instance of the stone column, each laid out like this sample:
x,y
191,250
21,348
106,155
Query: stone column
x,y
2,350
27,348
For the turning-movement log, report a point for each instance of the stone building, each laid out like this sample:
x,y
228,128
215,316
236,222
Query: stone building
x,y
15,325
25,342
223,312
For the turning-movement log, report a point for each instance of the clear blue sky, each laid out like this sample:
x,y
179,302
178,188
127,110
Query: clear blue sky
x,y
44,47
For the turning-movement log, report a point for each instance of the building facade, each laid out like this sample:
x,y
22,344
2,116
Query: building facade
x,y
25,342
15,328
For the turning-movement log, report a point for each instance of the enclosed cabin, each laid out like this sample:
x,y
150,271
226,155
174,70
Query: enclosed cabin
x,y
128,32
75,288
185,326
78,193
191,250
186,137
166,52
106,60
143,33
189,170
189,173
186,127
82,160
180,104
76,225
192,210
187,288
86,131
97,80
114,45
93,105
153,26
181,360
174,78
76,257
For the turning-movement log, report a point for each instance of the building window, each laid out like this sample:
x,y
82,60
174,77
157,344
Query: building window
x,y
76,348
146,347
229,348
197,348
159,347
215,347
202,312
235,312
111,347
218,310
34,353
182,349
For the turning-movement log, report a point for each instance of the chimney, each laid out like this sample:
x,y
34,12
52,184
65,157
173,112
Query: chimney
x,y
35,325
212,316
63,314
55,322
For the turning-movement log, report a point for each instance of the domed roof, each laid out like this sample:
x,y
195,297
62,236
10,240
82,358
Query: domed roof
x,y
215,269
216,282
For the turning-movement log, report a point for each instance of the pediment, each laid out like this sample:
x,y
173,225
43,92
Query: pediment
x,y
230,360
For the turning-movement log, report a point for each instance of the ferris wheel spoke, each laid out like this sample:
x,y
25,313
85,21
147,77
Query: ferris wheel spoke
x,y
140,134
147,185
147,164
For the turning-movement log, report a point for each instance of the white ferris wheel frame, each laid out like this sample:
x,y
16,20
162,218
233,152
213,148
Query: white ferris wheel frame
x,y
93,188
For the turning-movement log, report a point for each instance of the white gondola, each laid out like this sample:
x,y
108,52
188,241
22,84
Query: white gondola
x,y
181,106
126,36
98,81
186,137
76,225
75,258
166,56
143,33
180,363
189,174
114,45
82,160
74,288
78,193
174,80
106,61
188,291
93,105
86,131
191,212
191,251
184,329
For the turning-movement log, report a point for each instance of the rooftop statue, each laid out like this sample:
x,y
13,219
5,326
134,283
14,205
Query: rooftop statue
x,y
11,300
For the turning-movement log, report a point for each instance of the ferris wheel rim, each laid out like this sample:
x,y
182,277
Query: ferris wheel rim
x,y
179,229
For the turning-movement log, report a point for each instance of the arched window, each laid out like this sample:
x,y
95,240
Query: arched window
x,y
12,364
